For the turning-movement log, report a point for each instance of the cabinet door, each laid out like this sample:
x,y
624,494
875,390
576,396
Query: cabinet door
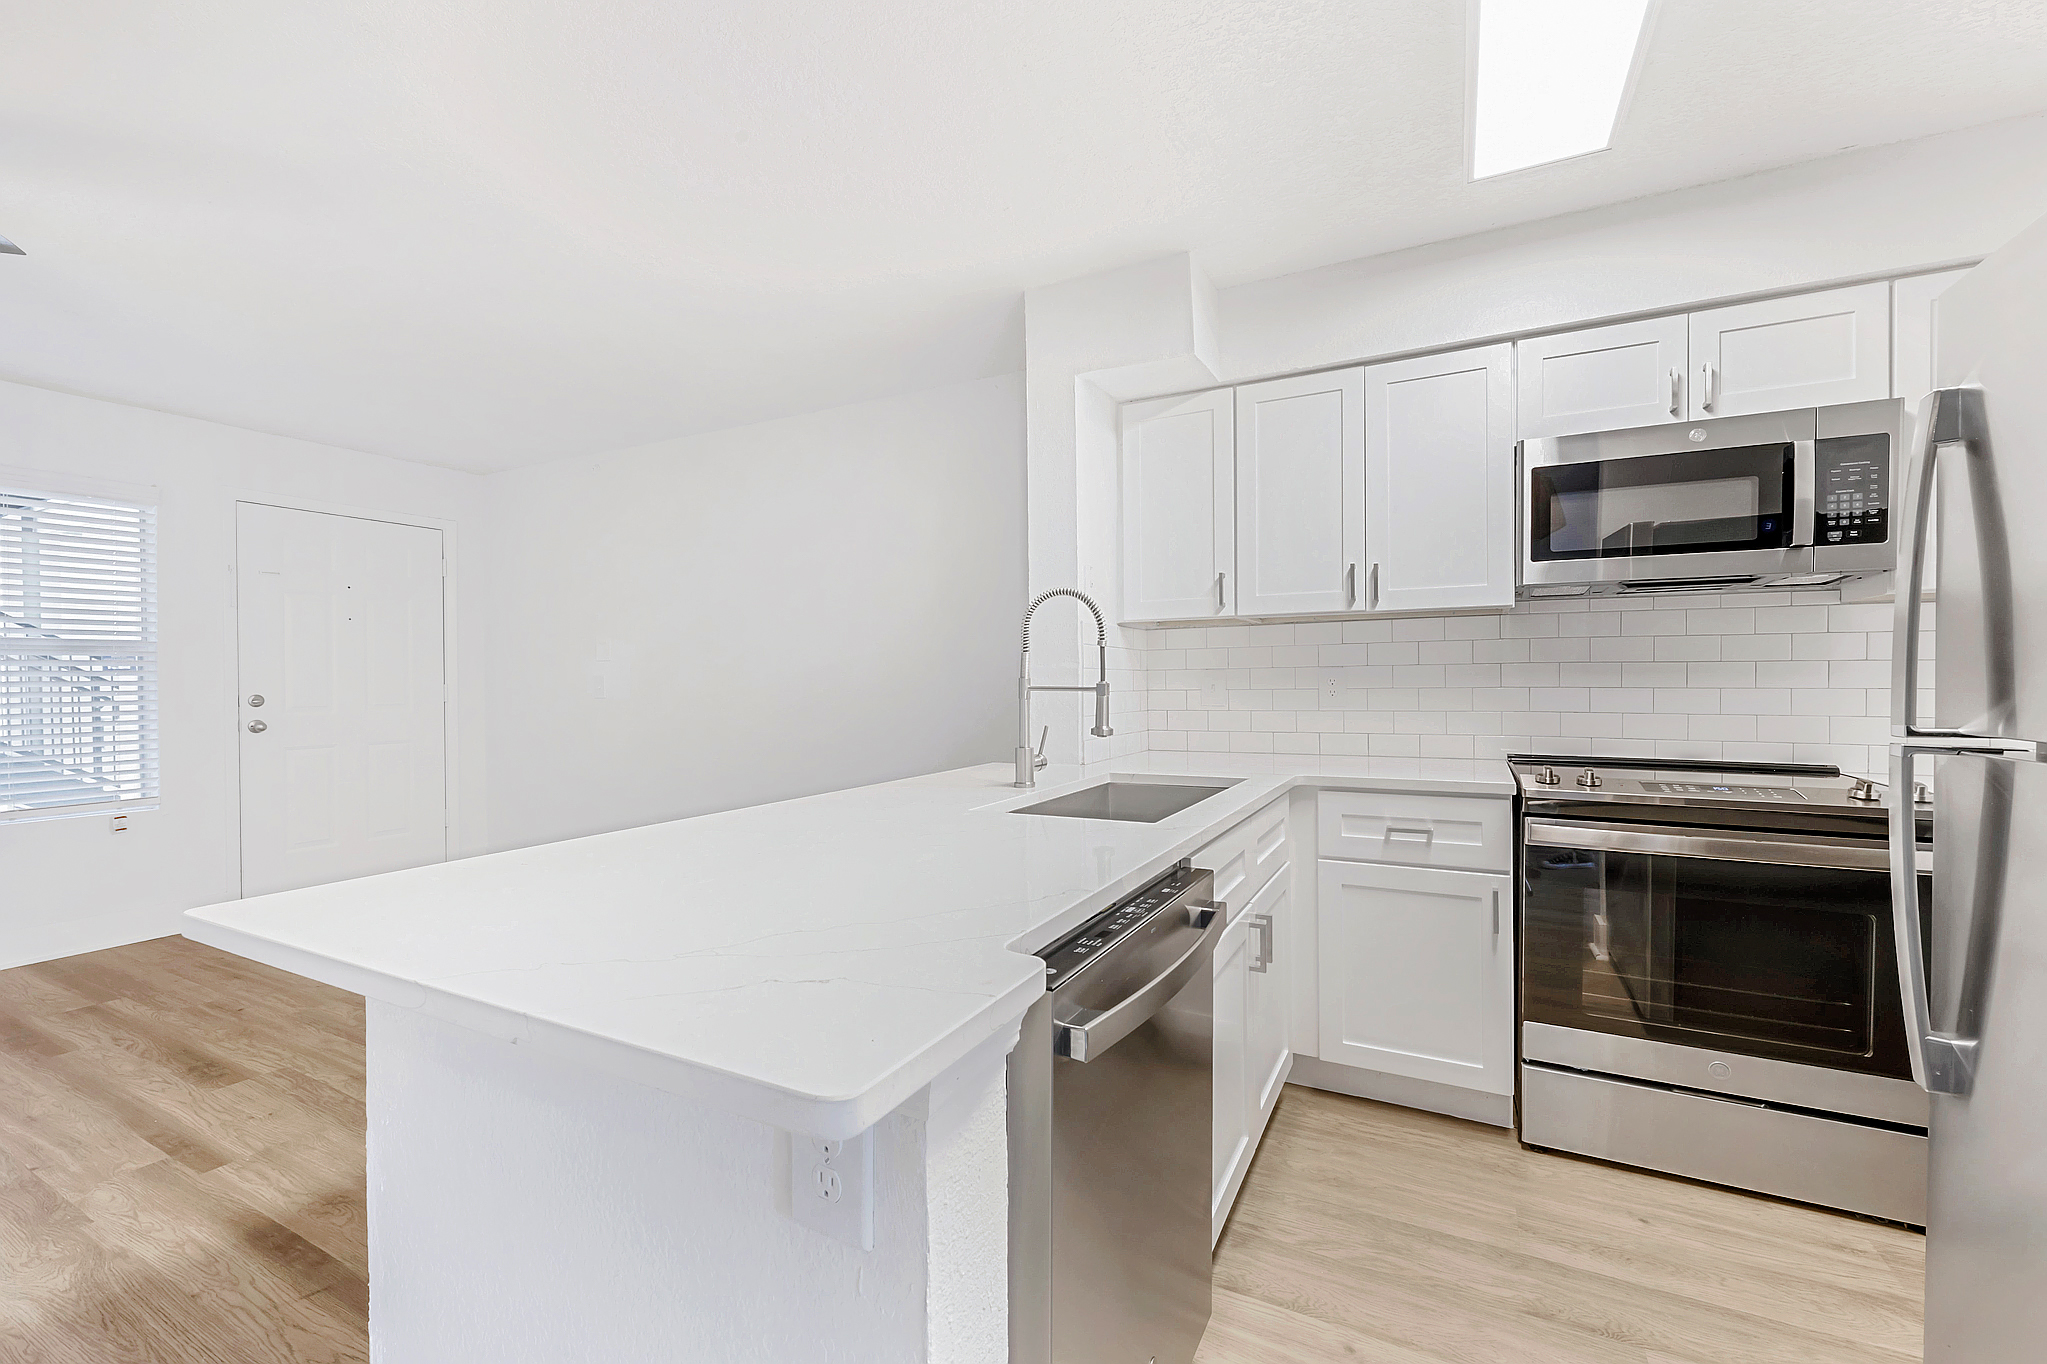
x,y
1439,485
1602,378
1300,494
1417,973
1268,961
1231,1143
1804,351
1179,507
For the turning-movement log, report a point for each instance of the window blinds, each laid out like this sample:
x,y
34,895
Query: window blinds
x,y
77,653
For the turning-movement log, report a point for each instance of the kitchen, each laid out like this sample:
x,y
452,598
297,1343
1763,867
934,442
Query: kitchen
x,y
730,1003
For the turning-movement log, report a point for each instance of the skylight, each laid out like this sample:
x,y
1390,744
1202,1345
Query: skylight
x,y
1548,78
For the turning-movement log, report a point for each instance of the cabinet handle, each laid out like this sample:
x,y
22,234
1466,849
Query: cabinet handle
x,y
1218,591
1262,957
1496,914
1350,584
1675,410
1372,589
1427,835
1706,375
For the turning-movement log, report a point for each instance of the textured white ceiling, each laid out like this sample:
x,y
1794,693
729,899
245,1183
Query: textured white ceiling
x,y
481,235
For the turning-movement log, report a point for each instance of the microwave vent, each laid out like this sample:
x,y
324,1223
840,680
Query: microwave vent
x,y
1650,585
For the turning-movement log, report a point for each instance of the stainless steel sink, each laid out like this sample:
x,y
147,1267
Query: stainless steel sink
x,y
1135,802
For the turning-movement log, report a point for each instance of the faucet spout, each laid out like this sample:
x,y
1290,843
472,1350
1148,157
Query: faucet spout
x,y
1027,762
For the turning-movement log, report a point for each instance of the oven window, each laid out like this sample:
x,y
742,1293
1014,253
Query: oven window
x,y
1691,502
1787,962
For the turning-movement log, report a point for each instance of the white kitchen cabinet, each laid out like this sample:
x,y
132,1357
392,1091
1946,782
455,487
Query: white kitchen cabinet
x,y
1230,1146
1459,833
1252,1056
1415,971
1603,378
1439,481
1300,494
1179,507
1804,351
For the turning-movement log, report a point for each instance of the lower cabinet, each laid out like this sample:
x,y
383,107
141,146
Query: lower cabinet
x,y
1251,1046
1415,973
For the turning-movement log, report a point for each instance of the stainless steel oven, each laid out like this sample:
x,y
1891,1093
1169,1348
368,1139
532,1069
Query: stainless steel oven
x,y
1708,980
1766,500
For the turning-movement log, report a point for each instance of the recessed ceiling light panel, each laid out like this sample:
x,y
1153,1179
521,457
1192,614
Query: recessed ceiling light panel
x,y
1548,78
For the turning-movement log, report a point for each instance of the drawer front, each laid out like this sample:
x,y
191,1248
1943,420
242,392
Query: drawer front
x,y
1467,833
1248,856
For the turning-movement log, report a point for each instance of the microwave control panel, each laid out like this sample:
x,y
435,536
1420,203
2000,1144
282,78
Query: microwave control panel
x,y
1851,499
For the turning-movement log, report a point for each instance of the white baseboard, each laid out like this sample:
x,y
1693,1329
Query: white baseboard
x,y
68,938
1471,1104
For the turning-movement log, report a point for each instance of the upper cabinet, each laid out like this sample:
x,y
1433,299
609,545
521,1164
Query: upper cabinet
x,y
1439,481
1805,351
1915,311
1300,494
1179,507
1604,378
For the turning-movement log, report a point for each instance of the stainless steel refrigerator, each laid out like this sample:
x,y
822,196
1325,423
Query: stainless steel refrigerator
x,y
1974,972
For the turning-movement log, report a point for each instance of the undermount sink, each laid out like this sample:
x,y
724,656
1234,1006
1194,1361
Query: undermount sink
x,y
1134,802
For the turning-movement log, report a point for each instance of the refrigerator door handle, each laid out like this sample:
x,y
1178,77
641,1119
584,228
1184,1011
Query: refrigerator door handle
x,y
1941,1062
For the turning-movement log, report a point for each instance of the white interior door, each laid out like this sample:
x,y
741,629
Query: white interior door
x,y
1805,351
344,758
1603,378
1300,494
1439,490
1179,507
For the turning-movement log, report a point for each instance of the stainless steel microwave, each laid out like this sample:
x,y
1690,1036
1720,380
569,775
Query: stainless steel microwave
x,y
1775,499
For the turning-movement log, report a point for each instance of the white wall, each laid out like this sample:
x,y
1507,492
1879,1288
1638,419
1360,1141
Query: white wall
x,y
1887,210
71,885
750,615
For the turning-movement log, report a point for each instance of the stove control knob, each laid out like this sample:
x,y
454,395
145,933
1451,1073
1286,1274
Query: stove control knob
x,y
1589,778
1864,790
1548,776
1920,794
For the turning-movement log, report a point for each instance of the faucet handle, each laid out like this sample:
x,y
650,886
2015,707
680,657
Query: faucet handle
x,y
1038,758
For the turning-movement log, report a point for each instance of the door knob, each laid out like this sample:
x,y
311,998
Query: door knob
x,y
257,726
255,698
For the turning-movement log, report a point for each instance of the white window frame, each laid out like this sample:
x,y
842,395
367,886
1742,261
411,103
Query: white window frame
x,y
65,629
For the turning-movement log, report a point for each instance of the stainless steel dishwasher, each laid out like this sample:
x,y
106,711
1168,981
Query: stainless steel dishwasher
x,y
1109,1124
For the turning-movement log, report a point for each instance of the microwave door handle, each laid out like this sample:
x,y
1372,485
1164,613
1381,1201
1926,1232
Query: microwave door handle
x,y
1804,478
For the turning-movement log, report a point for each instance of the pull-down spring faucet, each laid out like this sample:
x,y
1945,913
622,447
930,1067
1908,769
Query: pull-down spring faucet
x,y
1027,762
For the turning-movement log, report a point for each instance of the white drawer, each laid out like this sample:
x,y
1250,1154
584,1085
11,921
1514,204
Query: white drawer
x,y
1248,856
1470,833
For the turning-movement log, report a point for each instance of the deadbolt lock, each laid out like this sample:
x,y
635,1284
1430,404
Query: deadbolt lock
x,y
256,698
257,726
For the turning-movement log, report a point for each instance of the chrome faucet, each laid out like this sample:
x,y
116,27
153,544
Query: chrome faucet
x,y
1027,762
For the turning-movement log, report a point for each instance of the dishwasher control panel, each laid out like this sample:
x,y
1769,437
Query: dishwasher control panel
x,y
1113,925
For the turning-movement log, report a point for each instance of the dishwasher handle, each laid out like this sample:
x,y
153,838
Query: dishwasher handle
x,y
1091,1032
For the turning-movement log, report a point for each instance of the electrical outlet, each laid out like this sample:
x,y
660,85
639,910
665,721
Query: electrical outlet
x,y
831,1186
1332,687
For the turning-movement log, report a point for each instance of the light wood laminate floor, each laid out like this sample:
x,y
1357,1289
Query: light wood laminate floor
x,y
181,1162
181,1179
1379,1235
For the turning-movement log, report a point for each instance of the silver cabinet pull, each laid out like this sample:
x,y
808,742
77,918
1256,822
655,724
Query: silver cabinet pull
x,y
1219,591
257,726
1397,831
1675,411
1372,589
1706,376
1261,959
1496,914
1350,584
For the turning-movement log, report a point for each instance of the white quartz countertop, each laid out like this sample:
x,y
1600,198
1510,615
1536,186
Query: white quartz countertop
x,y
811,963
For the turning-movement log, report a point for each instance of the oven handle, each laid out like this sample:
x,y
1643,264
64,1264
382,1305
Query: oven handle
x,y
1714,845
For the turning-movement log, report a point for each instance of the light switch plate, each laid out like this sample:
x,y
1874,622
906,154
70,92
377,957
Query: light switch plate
x,y
831,1186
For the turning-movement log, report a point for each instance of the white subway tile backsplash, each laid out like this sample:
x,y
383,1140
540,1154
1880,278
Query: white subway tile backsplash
x,y
1763,677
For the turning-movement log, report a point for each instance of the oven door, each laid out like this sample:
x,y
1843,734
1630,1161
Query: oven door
x,y
1743,944
1656,503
